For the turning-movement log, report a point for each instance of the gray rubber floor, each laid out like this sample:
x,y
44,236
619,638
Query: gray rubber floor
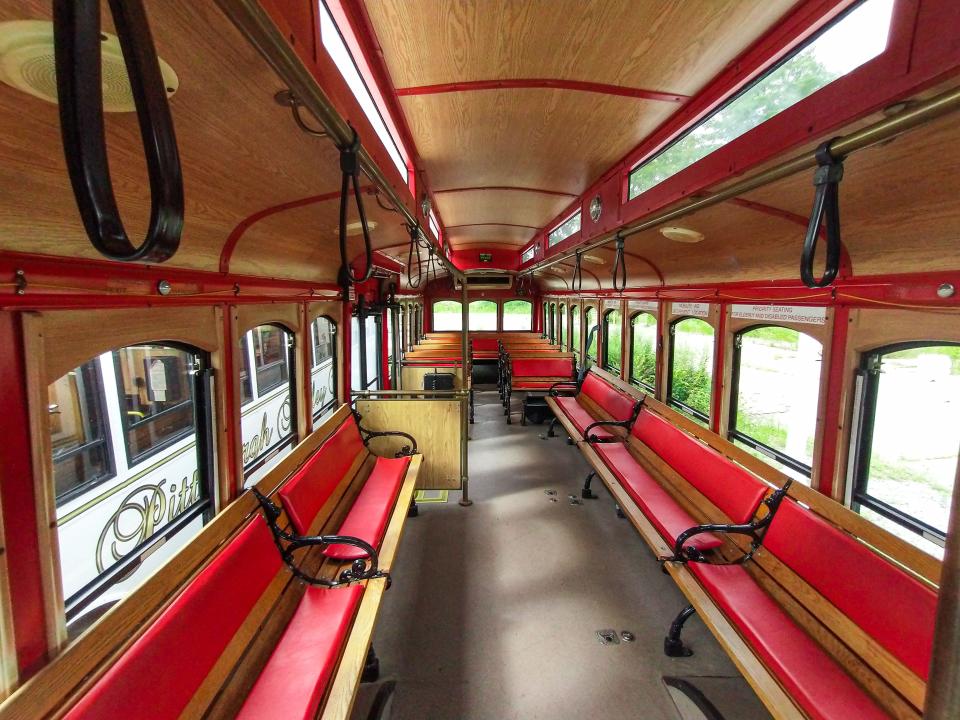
x,y
494,608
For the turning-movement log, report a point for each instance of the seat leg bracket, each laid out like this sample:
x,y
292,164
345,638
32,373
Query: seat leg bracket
x,y
672,644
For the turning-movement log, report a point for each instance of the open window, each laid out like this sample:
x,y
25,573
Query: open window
x,y
562,330
545,330
575,333
131,440
643,351
775,389
517,315
906,439
447,315
592,330
366,344
323,367
482,315
690,376
268,399
612,346
552,326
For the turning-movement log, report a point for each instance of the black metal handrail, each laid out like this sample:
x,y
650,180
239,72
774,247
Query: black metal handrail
x,y
77,39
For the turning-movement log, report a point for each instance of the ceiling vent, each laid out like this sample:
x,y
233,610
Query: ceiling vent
x,y
28,63
488,282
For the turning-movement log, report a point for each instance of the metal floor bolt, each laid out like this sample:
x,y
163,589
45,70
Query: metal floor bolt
x,y
627,636
608,636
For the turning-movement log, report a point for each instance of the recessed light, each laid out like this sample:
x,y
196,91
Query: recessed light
x,y
681,234
594,259
356,228
27,62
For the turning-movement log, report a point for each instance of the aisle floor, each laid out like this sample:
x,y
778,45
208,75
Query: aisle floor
x,y
495,608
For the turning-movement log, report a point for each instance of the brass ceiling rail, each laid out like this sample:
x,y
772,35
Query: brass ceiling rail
x,y
911,117
259,29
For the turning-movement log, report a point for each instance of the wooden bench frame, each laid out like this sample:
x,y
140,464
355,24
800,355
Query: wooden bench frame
x,y
894,687
508,377
63,681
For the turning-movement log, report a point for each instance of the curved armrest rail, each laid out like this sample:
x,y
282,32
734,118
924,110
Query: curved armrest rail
x,y
567,385
368,435
755,529
288,543
625,424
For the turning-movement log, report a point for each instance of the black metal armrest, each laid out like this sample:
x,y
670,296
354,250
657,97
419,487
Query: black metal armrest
x,y
593,439
287,543
567,384
755,529
368,435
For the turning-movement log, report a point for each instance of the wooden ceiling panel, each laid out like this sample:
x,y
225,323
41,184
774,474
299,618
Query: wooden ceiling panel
x,y
671,47
482,234
531,138
240,152
502,206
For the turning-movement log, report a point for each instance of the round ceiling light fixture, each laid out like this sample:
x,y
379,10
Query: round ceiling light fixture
x,y
595,259
28,63
356,228
681,234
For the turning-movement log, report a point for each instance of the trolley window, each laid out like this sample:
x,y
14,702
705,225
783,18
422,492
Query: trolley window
x,y
552,327
643,351
562,332
575,332
907,439
591,329
323,370
447,315
612,341
482,315
776,383
691,368
517,315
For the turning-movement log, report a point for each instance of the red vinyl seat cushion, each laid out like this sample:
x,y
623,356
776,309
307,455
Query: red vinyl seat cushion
x,y
542,367
312,485
659,507
295,678
485,344
894,608
163,669
808,673
532,384
730,487
580,418
371,509
613,402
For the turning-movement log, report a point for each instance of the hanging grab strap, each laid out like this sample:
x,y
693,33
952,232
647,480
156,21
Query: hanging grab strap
x,y
414,248
350,169
576,282
826,205
619,267
77,39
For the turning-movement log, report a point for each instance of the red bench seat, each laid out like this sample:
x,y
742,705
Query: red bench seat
x,y
371,510
807,672
296,676
617,404
657,505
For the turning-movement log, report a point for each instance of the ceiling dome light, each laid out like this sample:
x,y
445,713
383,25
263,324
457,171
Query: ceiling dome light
x,y
596,260
356,228
28,63
680,234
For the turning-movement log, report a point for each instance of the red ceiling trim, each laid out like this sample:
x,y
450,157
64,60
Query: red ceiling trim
x,y
550,83
515,188
231,244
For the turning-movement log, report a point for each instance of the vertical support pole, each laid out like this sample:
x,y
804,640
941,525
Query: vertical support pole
x,y
465,500
833,419
943,688
719,347
660,349
386,350
346,340
230,422
306,359
393,317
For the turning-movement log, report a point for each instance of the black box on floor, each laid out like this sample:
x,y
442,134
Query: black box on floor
x,y
535,409
439,381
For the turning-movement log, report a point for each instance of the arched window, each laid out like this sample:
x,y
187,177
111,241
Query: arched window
x,y
775,387
268,416
546,320
130,432
905,461
575,332
591,329
552,327
690,378
482,315
323,367
447,315
517,315
402,330
562,317
643,351
612,342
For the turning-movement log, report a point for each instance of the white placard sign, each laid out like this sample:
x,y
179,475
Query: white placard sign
x,y
692,309
645,304
782,313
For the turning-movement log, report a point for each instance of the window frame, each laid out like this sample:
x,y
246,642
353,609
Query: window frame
x,y
631,376
867,386
334,370
562,326
668,396
556,228
553,324
575,323
433,314
586,336
732,433
496,321
503,314
605,344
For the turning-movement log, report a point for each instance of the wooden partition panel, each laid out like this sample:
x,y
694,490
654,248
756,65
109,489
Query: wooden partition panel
x,y
411,378
436,425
